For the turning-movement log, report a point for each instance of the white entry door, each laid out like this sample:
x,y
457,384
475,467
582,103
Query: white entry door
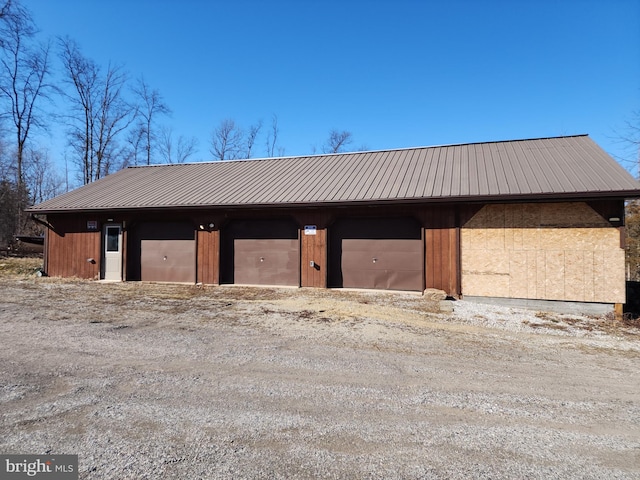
x,y
112,253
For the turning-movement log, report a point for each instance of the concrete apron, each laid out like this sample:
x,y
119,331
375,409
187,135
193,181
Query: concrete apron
x,y
557,306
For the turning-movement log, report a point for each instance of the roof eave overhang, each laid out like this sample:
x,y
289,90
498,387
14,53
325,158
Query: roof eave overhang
x,y
467,199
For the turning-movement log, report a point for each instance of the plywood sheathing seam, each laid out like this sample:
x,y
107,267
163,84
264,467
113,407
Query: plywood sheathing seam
x,y
555,251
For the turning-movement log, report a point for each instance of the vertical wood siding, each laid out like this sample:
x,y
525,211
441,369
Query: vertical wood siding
x,y
45,254
442,259
313,248
442,247
69,246
208,257
125,250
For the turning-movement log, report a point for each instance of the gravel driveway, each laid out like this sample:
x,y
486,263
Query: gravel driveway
x,y
148,381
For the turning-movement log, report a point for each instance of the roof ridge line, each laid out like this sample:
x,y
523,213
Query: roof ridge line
x,y
317,155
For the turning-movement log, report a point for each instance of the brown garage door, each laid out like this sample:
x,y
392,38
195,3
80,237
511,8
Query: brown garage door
x,y
261,252
378,253
167,252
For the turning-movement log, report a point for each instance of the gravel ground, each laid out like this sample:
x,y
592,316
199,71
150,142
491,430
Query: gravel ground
x,y
148,381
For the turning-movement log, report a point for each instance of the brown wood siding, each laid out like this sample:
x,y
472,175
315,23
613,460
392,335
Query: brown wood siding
x,y
70,246
442,253
125,238
208,257
45,254
609,209
313,248
442,260
442,245
440,232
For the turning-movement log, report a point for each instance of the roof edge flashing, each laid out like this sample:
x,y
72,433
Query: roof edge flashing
x,y
470,199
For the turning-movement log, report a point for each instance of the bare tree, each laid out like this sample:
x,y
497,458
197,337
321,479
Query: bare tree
x,y
337,141
25,69
226,141
272,136
99,112
176,151
5,161
151,106
6,10
250,140
630,138
42,177
114,117
82,73
10,197
24,73
135,141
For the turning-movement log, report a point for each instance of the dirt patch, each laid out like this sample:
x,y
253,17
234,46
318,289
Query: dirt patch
x,y
179,381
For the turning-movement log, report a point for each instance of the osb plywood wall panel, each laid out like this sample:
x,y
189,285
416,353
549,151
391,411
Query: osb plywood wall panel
x,y
559,251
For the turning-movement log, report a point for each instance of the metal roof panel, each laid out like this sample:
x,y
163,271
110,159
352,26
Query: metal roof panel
x,y
533,168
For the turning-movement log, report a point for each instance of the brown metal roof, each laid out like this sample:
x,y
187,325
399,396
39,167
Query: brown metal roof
x,y
554,168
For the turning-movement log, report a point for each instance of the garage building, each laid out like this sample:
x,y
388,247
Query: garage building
x,y
524,219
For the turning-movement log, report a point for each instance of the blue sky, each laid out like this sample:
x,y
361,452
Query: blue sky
x,y
396,73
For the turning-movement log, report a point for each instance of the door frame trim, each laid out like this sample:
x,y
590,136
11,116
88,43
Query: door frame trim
x,y
103,266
